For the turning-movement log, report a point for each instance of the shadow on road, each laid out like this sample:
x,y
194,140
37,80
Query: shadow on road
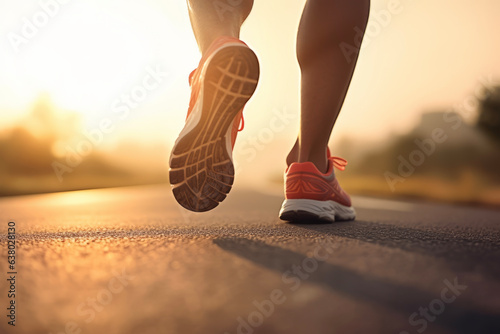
x,y
462,251
400,298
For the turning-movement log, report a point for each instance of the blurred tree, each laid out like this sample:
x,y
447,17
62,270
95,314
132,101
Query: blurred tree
x,y
489,112
47,135
23,154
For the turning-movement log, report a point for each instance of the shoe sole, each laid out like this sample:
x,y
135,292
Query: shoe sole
x,y
312,211
201,166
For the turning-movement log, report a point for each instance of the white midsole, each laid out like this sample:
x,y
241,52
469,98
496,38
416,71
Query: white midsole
x,y
195,116
323,209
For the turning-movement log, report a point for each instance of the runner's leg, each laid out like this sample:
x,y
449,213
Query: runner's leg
x,y
214,18
326,71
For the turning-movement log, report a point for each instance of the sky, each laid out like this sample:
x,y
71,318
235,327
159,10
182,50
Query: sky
x,y
89,54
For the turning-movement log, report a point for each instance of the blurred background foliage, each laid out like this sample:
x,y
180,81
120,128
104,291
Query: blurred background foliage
x,y
29,150
465,167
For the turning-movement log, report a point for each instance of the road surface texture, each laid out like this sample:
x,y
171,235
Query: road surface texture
x,y
130,260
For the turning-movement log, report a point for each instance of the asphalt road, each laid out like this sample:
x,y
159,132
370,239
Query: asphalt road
x,y
131,261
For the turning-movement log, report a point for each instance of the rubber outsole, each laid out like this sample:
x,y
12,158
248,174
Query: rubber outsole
x,y
201,167
312,211
304,217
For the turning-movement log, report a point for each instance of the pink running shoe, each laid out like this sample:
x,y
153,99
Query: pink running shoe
x,y
311,196
201,166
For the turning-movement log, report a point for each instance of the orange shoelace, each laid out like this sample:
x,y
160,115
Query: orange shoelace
x,y
242,123
338,162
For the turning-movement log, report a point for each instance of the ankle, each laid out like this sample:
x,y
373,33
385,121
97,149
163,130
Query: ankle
x,y
293,155
317,157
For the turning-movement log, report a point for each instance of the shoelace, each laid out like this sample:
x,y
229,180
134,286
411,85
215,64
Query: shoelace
x,y
191,75
338,162
242,121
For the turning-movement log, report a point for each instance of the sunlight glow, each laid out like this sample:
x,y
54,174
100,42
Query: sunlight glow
x,y
87,57
76,198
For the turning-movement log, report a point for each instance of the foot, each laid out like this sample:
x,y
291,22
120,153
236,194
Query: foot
x,y
201,166
311,196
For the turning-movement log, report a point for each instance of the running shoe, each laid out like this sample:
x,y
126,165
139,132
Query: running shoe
x,y
311,196
201,166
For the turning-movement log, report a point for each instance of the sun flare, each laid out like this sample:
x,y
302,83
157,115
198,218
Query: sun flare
x,y
86,58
